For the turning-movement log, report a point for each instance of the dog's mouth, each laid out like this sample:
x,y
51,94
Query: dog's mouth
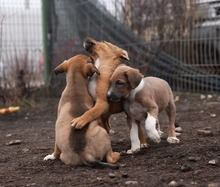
x,y
87,44
114,98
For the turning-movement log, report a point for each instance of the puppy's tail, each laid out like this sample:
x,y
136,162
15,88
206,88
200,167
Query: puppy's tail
x,y
98,164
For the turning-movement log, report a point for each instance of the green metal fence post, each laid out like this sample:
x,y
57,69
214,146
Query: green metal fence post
x,y
45,42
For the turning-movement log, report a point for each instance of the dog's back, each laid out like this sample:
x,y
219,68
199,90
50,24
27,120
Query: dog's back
x,y
90,144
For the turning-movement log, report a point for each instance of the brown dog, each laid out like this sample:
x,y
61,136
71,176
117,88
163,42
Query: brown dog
x,y
91,144
143,99
107,57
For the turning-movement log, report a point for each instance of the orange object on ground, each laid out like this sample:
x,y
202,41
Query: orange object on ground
x,y
9,110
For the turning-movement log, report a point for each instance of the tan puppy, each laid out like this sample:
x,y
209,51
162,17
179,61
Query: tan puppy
x,y
91,144
107,57
143,99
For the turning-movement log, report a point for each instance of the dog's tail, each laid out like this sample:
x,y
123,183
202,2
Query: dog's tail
x,y
98,164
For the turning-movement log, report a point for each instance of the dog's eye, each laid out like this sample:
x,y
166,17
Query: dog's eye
x,y
119,83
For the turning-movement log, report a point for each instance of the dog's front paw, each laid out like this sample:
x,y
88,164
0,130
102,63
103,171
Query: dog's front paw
x,y
154,136
78,123
49,157
173,140
132,151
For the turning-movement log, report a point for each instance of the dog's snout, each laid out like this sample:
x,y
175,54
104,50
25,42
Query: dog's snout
x,y
112,97
87,44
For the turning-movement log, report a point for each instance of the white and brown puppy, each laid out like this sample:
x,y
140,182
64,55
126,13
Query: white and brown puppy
x,y
91,144
143,99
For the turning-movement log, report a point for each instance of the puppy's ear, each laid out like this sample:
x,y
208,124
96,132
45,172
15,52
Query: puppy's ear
x,y
90,69
124,55
61,68
134,77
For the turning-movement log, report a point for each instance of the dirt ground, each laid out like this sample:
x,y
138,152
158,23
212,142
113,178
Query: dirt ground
x,y
186,163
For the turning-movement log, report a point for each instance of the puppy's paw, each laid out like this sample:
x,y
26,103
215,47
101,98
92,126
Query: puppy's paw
x,y
132,151
144,145
154,136
78,123
49,157
173,140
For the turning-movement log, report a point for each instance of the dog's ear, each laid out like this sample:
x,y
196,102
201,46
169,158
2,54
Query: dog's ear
x,y
124,55
134,77
90,69
61,68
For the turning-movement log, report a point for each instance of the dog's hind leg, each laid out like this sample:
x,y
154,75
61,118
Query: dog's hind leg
x,y
112,157
171,112
141,137
55,154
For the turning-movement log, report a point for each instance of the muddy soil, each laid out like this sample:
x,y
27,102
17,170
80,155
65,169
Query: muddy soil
x,y
186,163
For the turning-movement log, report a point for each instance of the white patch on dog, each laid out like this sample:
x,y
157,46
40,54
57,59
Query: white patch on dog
x,y
173,140
137,89
92,82
150,126
50,157
135,142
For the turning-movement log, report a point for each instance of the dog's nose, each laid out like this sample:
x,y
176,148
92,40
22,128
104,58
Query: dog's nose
x,y
109,96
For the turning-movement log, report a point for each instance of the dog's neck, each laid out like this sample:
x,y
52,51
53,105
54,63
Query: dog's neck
x,y
76,80
110,62
136,90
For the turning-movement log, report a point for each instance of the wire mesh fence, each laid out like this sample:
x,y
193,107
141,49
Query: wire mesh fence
x,y
174,40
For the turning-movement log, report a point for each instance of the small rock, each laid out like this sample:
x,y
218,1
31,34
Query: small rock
x,y
121,140
186,168
194,183
179,129
213,184
99,178
177,134
204,132
111,175
212,115
207,128
197,172
193,159
202,111
25,150
122,165
131,182
209,96
112,132
177,98
172,183
202,97
26,118
213,162
32,184
8,135
14,142
124,175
